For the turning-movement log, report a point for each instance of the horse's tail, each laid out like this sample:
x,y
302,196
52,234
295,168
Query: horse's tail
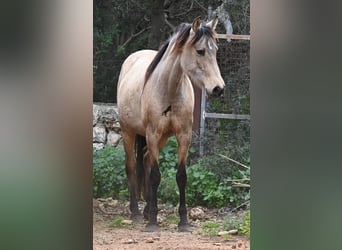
x,y
140,144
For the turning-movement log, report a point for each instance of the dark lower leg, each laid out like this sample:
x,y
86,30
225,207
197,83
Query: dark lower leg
x,y
154,183
181,181
147,193
133,206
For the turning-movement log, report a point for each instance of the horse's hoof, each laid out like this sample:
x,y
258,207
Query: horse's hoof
x,y
137,217
185,228
151,228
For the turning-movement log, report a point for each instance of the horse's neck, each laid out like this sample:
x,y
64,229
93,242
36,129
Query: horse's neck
x,y
172,75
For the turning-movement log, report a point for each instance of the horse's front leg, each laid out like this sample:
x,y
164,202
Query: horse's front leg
x,y
183,147
152,180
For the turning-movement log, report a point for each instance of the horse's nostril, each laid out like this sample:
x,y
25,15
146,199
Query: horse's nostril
x,y
217,91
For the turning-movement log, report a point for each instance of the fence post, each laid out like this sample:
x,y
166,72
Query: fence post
x,y
202,123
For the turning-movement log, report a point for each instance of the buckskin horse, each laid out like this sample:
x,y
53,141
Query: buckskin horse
x,y
155,101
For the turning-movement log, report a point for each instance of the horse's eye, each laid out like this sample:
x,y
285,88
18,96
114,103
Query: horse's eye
x,y
200,52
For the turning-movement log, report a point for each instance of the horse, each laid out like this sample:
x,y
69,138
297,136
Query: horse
x,y
155,100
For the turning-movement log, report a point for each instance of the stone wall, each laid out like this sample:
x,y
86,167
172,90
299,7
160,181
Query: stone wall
x,y
106,128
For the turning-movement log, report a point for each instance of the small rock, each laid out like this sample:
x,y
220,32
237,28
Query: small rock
x,y
217,244
149,240
129,241
233,231
97,146
115,127
102,199
196,213
221,233
127,222
160,220
99,134
96,114
113,203
113,138
102,208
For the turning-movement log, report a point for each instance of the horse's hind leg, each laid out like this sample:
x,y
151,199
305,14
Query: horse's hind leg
x,y
129,144
183,140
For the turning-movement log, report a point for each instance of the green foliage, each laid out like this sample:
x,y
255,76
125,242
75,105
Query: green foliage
x,y
172,219
204,189
204,186
168,190
245,227
210,228
109,176
117,222
169,154
240,222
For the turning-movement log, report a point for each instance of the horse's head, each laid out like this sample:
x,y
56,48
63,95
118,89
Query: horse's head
x,y
198,57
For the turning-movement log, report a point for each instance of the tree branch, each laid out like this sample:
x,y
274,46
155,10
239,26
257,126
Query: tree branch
x,y
168,23
201,6
134,35
242,165
187,11
237,184
241,205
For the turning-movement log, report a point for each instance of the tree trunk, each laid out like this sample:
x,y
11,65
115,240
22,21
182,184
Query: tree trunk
x,y
157,23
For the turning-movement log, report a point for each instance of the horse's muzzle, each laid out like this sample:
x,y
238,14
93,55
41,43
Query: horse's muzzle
x,y
217,91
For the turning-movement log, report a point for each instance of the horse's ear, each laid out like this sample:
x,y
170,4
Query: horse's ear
x,y
196,24
212,24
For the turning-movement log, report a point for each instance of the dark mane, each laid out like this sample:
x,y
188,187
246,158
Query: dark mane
x,y
203,31
155,61
183,33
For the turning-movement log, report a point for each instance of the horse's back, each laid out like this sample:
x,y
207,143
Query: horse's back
x,y
130,85
136,63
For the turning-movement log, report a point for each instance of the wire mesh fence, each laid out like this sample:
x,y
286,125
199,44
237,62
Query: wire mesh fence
x,y
229,137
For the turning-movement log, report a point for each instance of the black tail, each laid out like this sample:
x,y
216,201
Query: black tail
x,y
140,144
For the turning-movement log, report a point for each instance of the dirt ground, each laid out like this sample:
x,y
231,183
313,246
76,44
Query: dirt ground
x,y
131,236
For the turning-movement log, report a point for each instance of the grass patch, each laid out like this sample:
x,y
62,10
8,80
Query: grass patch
x,y
172,219
227,237
210,228
117,222
245,227
240,222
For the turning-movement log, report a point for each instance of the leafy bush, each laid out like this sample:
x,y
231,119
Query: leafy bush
x,y
168,156
204,189
109,176
245,227
241,222
168,190
204,186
